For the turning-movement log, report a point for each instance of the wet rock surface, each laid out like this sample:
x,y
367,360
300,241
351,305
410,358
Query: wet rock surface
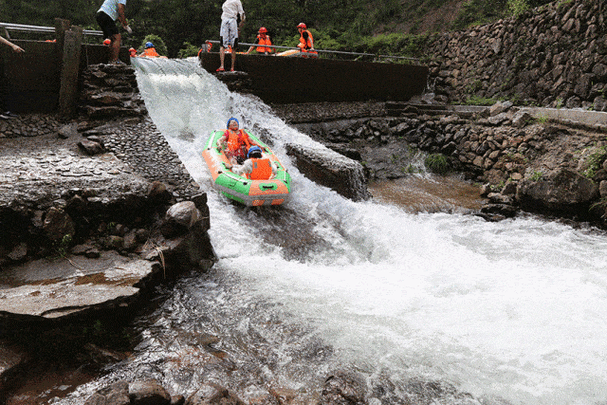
x,y
52,288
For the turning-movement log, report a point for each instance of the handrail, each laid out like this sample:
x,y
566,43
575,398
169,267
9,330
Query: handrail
x,y
41,29
323,51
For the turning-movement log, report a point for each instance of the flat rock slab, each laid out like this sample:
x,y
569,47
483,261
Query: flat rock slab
x,y
31,169
55,288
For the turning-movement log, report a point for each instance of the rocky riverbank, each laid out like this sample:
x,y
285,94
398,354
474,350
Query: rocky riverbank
x,y
94,213
522,161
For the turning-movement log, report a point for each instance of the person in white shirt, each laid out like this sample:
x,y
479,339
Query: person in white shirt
x,y
107,15
228,34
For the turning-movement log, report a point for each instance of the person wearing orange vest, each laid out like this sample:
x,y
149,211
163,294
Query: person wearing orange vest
x,y
235,142
150,51
306,41
263,39
257,167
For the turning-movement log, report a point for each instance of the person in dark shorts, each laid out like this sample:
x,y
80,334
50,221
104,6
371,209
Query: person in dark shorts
x,y
107,15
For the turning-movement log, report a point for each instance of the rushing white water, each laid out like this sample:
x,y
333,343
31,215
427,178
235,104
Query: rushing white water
x,y
510,312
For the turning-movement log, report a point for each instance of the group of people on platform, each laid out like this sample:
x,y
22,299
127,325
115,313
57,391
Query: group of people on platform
x,y
232,19
245,155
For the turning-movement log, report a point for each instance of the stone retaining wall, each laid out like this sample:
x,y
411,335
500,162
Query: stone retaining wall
x,y
547,167
555,55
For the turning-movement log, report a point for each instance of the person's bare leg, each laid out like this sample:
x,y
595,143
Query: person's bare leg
x,y
115,48
233,59
222,55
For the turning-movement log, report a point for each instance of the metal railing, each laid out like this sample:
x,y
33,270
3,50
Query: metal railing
x,y
38,29
325,51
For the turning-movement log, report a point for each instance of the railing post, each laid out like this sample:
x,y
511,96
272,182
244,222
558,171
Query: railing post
x,y
61,26
70,68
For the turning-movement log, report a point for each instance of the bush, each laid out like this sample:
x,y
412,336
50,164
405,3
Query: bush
x,y
188,50
517,7
438,163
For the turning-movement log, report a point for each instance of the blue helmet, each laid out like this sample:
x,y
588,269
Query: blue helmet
x,y
232,119
149,45
254,149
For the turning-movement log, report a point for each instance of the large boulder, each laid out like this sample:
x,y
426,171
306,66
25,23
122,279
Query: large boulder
x,y
187,242
561,191
330,169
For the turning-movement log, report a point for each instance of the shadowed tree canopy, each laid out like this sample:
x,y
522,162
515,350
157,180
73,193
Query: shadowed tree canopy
x,y
338,24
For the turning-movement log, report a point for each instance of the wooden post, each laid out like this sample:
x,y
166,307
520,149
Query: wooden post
x,y
61,26
70,67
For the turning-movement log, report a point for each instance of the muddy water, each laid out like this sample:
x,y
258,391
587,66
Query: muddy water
x,y
428,194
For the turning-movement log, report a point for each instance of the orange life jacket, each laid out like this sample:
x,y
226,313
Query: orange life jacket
x,y
265,40
303,43
262,169
151,53
236,140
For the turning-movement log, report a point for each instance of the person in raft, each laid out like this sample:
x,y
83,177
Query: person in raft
x,y
256,167
150,51
235,142
262,40
306,41
228,33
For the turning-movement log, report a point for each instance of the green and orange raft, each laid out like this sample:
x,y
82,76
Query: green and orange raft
x,y
274,191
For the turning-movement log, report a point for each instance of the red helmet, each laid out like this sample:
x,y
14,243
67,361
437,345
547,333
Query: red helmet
x,y
302,25
263,30
107,41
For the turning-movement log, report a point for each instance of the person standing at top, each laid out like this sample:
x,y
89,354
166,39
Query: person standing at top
x,y
107,15
228,34
306,41
263,39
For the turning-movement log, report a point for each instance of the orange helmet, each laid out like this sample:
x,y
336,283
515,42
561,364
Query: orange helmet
x,y
107,41
302,25
263,30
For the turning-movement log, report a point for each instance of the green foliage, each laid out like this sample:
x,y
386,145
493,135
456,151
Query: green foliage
x,y
347,25
188,50
537,176
475,12
410,169
517,7
62,247
476,100
438,163
396,44
159,44
595,161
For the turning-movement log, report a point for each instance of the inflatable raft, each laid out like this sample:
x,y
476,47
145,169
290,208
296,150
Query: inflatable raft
x,y
248,192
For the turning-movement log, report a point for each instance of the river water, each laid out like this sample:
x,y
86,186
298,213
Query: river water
x,y
426,303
